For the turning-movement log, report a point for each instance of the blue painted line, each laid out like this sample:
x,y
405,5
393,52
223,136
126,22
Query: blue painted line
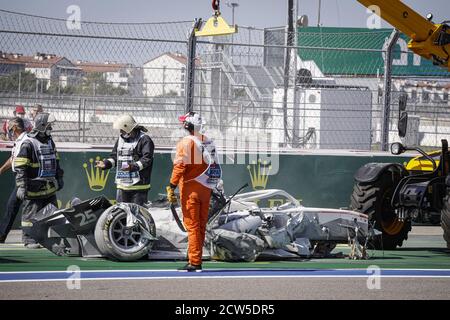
x,y
148,274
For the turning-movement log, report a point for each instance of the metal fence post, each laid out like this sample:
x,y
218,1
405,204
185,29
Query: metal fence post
x,y
20,76
190,70
84,120
287,64
79,119
220,100
385,118
295,101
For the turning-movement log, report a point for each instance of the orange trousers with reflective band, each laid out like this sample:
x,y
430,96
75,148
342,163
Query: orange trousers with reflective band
x,y
195,206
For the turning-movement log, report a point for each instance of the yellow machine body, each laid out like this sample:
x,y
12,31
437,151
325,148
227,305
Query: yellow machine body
x,y
215,26
420,163
424,34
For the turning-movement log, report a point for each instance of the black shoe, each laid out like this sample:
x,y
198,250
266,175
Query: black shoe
x,y
2,239
191,268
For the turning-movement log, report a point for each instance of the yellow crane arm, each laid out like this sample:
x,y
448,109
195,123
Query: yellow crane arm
x,y
429,40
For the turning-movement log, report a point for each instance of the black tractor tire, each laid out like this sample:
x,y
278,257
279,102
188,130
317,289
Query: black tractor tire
x,y
445,218
117,242
374,200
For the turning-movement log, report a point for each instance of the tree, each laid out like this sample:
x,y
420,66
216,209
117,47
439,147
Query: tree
x,y
11,82
170,94
92,84
95,84
55,89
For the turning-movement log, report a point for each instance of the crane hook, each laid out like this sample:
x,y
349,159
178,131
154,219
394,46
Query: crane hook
x,y
216,25
216,7
215,4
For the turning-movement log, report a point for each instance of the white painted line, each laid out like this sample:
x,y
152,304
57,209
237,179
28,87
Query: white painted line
x,y
220,269
222,277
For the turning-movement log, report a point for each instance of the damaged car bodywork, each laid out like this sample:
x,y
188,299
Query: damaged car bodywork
x,y
240,228
286,231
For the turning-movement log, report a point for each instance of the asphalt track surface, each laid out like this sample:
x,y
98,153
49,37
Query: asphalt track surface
x,y
420,270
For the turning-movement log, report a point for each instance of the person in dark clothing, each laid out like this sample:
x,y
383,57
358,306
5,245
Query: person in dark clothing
x,y
19,112
132,156
16,129
38,174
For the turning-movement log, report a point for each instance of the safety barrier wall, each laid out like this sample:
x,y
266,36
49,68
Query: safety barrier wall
x,y
315,179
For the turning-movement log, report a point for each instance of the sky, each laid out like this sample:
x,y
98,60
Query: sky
x,y
255,13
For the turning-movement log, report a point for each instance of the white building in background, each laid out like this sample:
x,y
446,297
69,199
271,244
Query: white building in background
x,y
424,91
48,68
165,75
116,74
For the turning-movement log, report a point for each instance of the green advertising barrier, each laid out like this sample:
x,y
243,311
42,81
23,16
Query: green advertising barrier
x,y
316,180
331,49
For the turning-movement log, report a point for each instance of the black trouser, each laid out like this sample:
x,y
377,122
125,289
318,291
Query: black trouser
x,y
30,208
12,209
132,196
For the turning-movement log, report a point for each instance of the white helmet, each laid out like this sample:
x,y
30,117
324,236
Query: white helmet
x,y
125,123
192,121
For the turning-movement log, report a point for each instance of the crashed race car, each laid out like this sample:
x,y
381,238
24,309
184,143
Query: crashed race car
x,y
240,228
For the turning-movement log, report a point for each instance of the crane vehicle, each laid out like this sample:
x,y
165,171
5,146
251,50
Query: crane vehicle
x,y
429,40
395,195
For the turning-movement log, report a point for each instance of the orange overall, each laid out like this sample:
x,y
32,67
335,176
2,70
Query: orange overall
x,y
188,165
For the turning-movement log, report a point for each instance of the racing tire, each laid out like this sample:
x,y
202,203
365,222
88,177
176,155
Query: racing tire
x,y
445,218
118,242
374,200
